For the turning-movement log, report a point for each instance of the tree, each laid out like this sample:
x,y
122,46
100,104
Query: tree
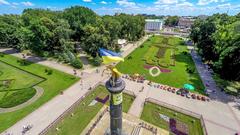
x,y
218,41
172,21
9,24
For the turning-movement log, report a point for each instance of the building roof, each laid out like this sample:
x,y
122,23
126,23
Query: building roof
x,y
153,20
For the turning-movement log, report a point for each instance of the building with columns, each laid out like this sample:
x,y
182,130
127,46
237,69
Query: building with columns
x,y
153,25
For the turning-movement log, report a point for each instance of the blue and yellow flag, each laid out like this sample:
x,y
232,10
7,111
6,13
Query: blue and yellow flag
x,y
110,56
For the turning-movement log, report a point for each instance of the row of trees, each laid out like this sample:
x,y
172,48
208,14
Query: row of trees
x,y
55,33
218,41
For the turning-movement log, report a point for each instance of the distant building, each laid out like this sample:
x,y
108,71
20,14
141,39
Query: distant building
x,y
202,17
153,25
185,22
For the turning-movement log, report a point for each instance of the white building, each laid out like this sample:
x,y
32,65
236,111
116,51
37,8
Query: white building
x,y
153,25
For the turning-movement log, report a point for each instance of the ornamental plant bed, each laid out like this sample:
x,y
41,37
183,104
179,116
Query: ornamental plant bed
x,y
163,70
161,52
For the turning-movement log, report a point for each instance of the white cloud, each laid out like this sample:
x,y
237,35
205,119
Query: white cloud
x,y
184,4
103,2
126,3
166,2
27,3
4,2
206,2
87,0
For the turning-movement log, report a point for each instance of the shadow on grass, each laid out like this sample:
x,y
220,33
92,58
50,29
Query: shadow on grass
x,y
185,58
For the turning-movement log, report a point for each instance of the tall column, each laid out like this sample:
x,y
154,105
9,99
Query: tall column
x,y
115,87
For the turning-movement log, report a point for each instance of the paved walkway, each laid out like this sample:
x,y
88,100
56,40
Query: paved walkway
x,y
39,92
138,104
207,79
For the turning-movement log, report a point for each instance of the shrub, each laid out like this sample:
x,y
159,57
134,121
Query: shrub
x,y
71,56
48,71
66,59
190,70
185,53
141,46
77,63
130,57
23,62
1,54
97,61
46,54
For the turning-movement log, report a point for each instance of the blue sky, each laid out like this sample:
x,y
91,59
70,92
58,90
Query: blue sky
x,y
158,7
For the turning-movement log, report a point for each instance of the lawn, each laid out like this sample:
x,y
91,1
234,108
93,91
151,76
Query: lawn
x,y
175,53
20,79
83,114
151,113
53,84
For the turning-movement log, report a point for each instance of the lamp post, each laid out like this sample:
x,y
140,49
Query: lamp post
x,y
115,86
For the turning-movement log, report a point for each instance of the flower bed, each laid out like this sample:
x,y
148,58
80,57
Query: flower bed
x,y
163,70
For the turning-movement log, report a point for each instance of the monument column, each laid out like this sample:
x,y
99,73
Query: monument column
x,y
115,87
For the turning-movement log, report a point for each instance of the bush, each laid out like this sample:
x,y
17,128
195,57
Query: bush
x,y
23,62
130,57
66,58
45,54
141,46
185,53
77,63
190,70
48,71
97,61
1,54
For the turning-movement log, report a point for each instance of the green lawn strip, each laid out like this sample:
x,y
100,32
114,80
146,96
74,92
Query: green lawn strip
x,y
20,79
14,98
83,114
177,78
151,113
53,85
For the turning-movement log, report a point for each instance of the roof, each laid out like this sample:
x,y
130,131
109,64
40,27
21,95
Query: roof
x,y
153,20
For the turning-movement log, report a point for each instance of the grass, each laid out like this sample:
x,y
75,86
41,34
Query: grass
x,y
151,113
14,98
177,78
83,114
20,78
53,85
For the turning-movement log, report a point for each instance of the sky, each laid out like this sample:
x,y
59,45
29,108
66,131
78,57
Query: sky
x,y
102,7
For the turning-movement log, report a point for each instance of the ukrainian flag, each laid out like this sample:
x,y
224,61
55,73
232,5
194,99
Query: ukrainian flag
x,y
110,56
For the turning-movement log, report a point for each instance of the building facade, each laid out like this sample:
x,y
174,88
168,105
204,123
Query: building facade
x,y
153,25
